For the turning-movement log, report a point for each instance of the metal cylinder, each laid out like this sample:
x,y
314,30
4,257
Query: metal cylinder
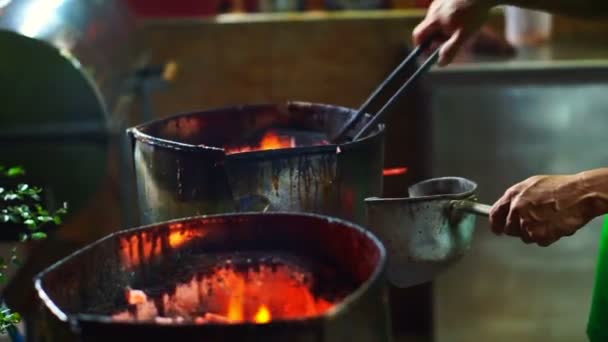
x,y
78,290
182,169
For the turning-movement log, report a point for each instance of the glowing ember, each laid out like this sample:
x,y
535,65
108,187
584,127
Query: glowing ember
x,y
135,297
140,248
396,171
230,295
263,315
270,141
273,140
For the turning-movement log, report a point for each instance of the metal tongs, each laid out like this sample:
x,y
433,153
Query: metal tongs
x,y
382,88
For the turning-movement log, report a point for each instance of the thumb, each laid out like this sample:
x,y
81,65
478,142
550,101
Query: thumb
x,y
451,47
425,30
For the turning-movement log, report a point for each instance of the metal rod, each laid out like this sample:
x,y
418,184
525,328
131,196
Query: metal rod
x,y
380,89
472,207
425,66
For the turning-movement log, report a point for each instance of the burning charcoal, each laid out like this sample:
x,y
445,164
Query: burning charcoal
x,y
274,139
135,297
123,316
215,318
163,320
240,288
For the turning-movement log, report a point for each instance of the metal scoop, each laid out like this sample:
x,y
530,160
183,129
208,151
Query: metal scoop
x,y
428,231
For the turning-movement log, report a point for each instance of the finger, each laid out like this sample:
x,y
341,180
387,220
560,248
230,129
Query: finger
x,y
450,47
498,215
527,234
512,227
427,29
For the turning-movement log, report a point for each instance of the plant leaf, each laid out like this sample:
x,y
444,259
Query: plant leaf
x,y
11,196
44,218
15,171
38,236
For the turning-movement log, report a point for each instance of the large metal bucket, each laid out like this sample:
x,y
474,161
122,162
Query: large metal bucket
x,y
429,231
182,169
80,292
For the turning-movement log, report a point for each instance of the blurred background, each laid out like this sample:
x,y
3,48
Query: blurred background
x,y
526,96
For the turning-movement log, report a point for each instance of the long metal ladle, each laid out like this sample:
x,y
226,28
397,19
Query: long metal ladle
x,y
428,231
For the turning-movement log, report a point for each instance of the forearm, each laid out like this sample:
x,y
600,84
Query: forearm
x,y
575,8
594,183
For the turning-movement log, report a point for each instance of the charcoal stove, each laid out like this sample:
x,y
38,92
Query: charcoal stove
x,y
193,164
236,277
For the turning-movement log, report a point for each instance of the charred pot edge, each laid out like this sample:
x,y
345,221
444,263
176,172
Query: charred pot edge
x,y
339,308
136,133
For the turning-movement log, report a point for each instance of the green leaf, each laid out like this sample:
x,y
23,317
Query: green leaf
x,y
44,219
15,171
57,219
39,236
23,237
22,187
11,196
13,218
30,222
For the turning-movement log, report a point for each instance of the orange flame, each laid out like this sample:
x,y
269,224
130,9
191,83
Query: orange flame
x,y
135,297
141,247
270,141
263,315
229,296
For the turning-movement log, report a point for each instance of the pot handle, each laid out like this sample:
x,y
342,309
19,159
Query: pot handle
x,y
472,207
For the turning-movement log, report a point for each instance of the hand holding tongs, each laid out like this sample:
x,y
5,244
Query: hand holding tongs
x,y
411,58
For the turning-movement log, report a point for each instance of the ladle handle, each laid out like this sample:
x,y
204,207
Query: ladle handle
x,y
472,207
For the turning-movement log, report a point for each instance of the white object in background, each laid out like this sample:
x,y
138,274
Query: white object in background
x,y
525,27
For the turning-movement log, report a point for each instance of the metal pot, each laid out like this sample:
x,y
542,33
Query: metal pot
x,y
183,170
429,231
78,292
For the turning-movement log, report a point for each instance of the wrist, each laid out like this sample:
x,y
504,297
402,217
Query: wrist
x,y
594,185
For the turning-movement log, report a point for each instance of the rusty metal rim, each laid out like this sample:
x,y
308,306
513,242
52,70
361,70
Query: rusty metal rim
x,y
137,133
347,302
462,195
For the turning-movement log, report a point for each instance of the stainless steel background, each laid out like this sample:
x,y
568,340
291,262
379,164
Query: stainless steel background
x,y
497,128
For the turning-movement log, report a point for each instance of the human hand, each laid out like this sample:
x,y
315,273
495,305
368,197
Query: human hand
x,y
543,209
455,20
